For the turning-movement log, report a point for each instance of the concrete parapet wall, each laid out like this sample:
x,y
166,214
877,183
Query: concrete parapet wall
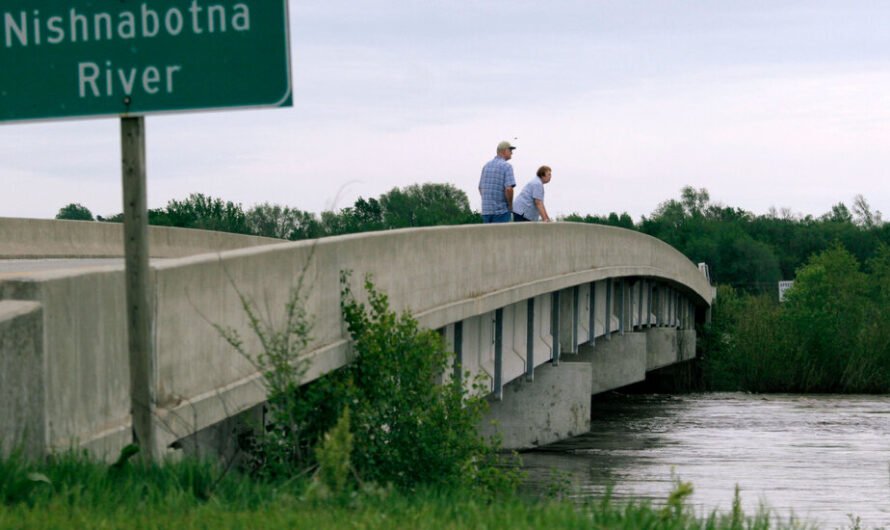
x,y
22,415
442,275
85,370
46,238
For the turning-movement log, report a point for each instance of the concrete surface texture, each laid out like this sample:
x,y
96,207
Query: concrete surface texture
x,y
555,406
618,362
22,411
47,238
661,348
442,275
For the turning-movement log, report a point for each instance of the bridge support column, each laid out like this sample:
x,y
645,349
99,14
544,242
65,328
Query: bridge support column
x,y
569,316
499,353
591,313
607,316
686,344
458,341
530,340
661,347
554,326
667,346
622,305
648,303
556,406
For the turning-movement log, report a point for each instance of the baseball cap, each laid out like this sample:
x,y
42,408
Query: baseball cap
x,y
505,145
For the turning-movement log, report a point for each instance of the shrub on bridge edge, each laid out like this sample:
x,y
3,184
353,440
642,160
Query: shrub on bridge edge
x,y
406,429
410,430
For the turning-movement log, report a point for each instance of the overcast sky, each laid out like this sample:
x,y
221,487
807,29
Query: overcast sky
x,y
764,103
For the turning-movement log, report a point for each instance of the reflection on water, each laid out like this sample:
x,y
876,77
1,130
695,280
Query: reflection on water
x,y
823,457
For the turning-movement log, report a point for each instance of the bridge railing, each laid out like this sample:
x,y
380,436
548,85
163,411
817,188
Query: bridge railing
x,y
48,238
442,275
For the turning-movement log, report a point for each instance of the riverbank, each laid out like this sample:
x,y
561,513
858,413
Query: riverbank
x,y
72,492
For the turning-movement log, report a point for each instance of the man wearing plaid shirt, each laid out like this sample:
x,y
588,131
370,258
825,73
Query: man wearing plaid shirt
x,y
496,186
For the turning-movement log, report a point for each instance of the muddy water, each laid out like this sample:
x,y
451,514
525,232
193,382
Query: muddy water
x,y
820,458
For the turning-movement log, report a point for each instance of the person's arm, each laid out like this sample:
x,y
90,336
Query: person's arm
x,y
508,194
539,204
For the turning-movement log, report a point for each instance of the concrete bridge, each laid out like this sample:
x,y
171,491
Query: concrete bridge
x,y
549,314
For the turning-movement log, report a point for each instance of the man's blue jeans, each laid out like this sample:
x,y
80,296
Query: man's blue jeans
x,y
497,218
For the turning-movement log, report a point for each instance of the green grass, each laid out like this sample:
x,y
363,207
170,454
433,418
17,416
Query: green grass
x,y
73,492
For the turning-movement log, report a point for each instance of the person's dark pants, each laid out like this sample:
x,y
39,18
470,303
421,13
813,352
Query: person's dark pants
x,y
519,219
497,218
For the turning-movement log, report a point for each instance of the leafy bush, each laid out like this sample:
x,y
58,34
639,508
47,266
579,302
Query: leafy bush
x,y
831,335
335,461
406,429
75,212
410,430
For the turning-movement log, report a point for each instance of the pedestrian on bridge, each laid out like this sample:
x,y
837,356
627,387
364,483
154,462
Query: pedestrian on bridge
x,y
496,186
530,203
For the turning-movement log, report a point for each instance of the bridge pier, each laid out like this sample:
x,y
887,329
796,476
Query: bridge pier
x,y
553,407
618,362
556,404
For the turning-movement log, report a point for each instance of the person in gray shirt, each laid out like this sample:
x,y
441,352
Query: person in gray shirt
x,y
530,203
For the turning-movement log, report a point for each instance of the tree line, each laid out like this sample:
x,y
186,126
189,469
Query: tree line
x,y
832,333
753,252
416,205
746,251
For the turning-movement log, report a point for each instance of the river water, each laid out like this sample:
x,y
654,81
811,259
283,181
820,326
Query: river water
x,y
819,458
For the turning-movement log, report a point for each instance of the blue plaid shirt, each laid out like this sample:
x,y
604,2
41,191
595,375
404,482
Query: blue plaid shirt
x,y
496,176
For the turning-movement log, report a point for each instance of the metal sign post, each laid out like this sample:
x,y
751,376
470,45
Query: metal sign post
x,y
139,300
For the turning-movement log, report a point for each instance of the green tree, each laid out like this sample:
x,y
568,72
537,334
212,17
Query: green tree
x,y
408,429
839,214
75,212
362,216
207,213
825,310
282,222
415,205
623,220
695,201
426,205
865,217
744,347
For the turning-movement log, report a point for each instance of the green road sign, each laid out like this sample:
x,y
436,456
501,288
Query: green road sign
x,y
71,58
